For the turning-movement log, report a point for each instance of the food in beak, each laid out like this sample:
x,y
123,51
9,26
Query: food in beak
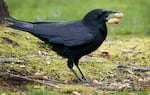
x,y
118,15
113,20
116,19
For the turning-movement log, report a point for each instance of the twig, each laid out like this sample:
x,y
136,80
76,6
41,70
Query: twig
x,y
28,79
7,60
45,79
141,69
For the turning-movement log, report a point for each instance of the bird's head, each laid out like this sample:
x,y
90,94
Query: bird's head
x,y
97,17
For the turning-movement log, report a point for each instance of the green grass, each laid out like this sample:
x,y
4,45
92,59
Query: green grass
x,y
4,92
131,93
41,92
30,92
136,12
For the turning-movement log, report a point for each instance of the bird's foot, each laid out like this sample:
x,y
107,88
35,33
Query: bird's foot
x,y
83,79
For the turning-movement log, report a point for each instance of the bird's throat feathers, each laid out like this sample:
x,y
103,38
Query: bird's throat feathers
x,y
103,31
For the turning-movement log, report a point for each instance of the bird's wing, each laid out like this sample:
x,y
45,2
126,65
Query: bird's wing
x,y
69,34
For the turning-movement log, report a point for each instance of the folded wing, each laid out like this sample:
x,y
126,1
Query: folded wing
x,y
69,34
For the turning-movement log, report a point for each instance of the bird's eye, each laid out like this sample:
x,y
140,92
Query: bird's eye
x,y
104,12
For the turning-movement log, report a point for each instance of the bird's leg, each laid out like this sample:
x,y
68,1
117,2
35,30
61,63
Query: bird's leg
x,y
76,64
70,65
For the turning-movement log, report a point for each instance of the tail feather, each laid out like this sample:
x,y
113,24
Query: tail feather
x,y
20,25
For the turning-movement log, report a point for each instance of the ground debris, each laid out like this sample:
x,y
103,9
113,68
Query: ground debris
x,y
10,41
40,74
125,78
22,78
8,60
104,53
75,93
114,86
141,69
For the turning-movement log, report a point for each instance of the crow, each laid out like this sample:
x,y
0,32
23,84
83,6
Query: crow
x,y
71,40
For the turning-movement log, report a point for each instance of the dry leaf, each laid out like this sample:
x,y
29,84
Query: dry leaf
x,y
40,73
104,53
48,62
22,66
96,82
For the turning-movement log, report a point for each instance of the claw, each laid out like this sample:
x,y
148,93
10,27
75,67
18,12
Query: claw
x,y
83,79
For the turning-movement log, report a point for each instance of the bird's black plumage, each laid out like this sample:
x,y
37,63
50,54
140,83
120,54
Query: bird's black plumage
x,y
72,39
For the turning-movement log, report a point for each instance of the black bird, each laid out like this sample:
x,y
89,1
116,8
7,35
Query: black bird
x,y
72,39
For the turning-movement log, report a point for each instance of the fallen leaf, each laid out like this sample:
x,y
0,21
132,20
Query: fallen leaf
x,y
48,62
40,73
22,66
104,53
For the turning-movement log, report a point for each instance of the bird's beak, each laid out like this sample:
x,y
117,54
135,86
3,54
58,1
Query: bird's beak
x,y
116,19
107,13
111,12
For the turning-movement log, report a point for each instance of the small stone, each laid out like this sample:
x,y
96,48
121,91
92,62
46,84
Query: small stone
x,y
126,80
66,81
48,62
96,82
28,37
45,77
140,80
75,93
39,53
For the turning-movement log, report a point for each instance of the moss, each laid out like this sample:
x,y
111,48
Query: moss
x,y
67,89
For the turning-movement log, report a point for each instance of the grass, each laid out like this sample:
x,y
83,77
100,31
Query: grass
x,y
6,92
131,93
136,16
41,92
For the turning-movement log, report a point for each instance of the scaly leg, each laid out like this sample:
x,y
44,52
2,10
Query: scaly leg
x,y
83,77
70,65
